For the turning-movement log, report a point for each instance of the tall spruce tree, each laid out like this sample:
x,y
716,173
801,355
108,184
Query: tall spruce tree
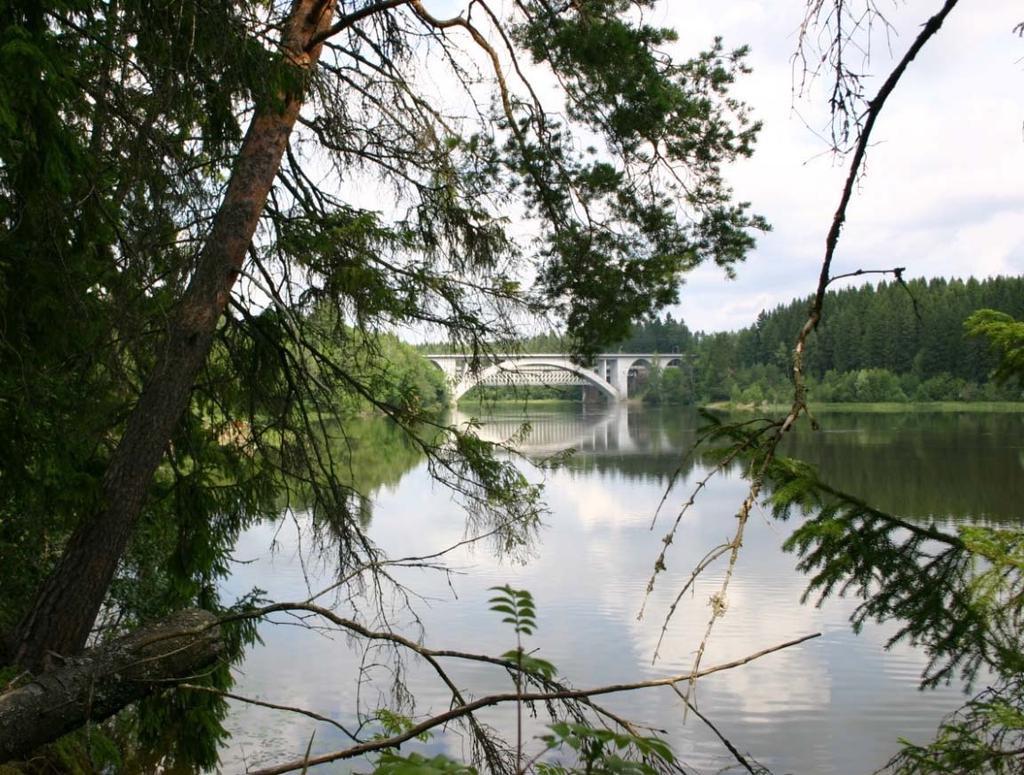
x,y
186,186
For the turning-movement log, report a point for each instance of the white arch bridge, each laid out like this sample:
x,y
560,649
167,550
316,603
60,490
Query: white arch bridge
x,y
611,373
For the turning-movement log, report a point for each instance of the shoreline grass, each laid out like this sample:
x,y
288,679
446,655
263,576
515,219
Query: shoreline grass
x,y
893,407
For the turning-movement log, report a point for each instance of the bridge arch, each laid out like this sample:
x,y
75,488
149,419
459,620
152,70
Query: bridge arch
x,y
642,362
514,366
638,371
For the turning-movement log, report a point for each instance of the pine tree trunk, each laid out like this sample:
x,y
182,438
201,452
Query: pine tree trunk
x,y
66,605
104,680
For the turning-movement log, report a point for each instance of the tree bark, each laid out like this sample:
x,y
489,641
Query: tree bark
x,y
99,683
67,603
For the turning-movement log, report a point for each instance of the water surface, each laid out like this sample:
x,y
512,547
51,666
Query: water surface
x,y
837,704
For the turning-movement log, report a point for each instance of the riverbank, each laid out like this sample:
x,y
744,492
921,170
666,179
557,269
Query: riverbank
x,y
891,407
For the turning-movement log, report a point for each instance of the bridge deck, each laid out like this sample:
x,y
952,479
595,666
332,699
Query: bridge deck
x,y
609,372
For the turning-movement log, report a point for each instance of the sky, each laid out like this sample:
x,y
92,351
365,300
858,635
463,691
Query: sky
x,y
942,194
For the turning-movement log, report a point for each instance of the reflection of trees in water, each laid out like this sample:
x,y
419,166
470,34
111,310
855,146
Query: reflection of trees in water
x,y
922,465
935,465
647,468
366,454
615,430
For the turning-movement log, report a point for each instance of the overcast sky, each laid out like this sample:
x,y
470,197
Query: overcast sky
x,y
944,191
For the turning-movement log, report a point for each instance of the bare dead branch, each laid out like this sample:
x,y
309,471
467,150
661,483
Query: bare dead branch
x,y
896,271
497,699
931,27
481,41
348,20
271,705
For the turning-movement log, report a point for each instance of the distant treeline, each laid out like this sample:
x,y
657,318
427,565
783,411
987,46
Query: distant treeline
x,y
391,373
913,329
885,342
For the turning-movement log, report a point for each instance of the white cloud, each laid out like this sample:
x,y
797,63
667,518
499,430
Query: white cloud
x,y
942,186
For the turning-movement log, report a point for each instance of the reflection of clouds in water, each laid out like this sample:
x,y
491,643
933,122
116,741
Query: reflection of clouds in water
x,y
597,502
796,688
833,705
762,611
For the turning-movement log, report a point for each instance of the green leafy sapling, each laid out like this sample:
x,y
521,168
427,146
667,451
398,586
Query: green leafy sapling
x,y
519,610
517,605
605,751
393,763
595,750
591,750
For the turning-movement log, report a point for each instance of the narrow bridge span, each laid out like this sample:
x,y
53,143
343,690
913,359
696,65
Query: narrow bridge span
x,y
609,372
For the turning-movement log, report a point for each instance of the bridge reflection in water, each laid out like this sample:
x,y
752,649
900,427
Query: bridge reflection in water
x,y
855,453
614,430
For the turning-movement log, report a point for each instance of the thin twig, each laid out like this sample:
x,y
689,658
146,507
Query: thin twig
x,y
659,563
725,741
271,705
497,699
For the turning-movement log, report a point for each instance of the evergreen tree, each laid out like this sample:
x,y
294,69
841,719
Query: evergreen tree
x,y
911,331
164,243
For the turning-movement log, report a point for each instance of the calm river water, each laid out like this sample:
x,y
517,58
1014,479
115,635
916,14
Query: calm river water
x,y
837,704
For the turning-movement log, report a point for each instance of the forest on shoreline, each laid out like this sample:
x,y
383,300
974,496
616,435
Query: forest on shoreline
x,y
891,342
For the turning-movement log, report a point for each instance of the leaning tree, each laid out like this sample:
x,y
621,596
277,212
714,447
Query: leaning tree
x,y
211,210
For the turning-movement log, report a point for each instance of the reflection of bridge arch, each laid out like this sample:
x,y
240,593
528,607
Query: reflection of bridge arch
x,y
531,371
607,431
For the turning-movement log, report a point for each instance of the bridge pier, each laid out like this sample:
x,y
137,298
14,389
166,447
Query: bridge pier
x,y
591,395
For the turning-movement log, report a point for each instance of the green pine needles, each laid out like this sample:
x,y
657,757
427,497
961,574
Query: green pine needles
x,y
985,735
956,593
